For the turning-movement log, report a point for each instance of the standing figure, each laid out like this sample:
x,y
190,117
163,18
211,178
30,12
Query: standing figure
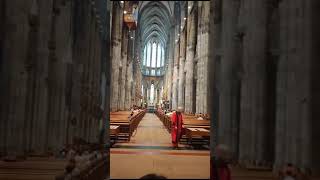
x,y
220,164
176,127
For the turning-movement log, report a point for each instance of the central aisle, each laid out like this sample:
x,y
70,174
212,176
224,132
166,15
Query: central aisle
x,y
149,151
151,131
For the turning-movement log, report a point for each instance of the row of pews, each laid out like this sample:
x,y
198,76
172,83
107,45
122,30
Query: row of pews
x,y
93,166
124,123
89,166
32,168
194,130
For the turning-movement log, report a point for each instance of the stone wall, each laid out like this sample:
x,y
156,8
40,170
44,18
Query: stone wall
x,y
264,87
123,81
187,75
50,74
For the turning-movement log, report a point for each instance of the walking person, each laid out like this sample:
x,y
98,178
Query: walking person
x,y
176,127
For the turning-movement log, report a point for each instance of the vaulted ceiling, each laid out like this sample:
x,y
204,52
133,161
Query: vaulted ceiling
x,y
155,19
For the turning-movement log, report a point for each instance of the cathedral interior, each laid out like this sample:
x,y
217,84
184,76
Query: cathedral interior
x,y
88,88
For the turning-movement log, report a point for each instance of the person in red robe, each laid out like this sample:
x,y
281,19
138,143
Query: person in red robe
x,y
219,164
176,127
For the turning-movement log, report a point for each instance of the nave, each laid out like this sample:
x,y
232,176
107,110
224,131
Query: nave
x,y
252,66
150,151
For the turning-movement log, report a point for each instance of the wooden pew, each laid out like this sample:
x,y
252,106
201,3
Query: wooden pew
x,y
189,121
196,132
96,171
114,132
124,123
127,124
32,169
194,129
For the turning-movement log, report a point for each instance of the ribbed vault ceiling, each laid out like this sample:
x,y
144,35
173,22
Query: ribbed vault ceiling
x,y
154,21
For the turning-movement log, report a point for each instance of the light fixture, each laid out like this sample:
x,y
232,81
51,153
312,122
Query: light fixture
x,y
184,18
189,7
124,12
121,2
178,34
131,37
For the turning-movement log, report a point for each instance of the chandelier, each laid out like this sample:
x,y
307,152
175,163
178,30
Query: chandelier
x,y
130,14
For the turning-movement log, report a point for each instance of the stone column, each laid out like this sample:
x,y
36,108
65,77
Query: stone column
x,y
145,88
31,63
128,86
229,84
124,55
116,53
175,76
14,69
155,96
182,67
253,92
86,61
205,54
293,123
201,58
89,61
60,56
170,61
107,75
212,74
281,115
80,54
191,39
149,95
41,91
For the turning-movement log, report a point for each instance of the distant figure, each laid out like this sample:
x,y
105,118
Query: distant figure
x,y
200,118
288,172
219,165
152,176
176,128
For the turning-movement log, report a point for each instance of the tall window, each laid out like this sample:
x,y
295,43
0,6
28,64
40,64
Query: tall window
x,y
148,54
153,60
159,56
162,57
144,55
142,90
154,53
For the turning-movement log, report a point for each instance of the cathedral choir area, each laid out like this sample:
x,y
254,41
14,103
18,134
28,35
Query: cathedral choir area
x,y
159,120
101,89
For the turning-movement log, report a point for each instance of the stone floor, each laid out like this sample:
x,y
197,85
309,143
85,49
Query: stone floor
x,y
149,151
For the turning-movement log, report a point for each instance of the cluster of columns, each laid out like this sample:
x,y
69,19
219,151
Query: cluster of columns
x,y
51,54
187,73
262,51
122,48
124,76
